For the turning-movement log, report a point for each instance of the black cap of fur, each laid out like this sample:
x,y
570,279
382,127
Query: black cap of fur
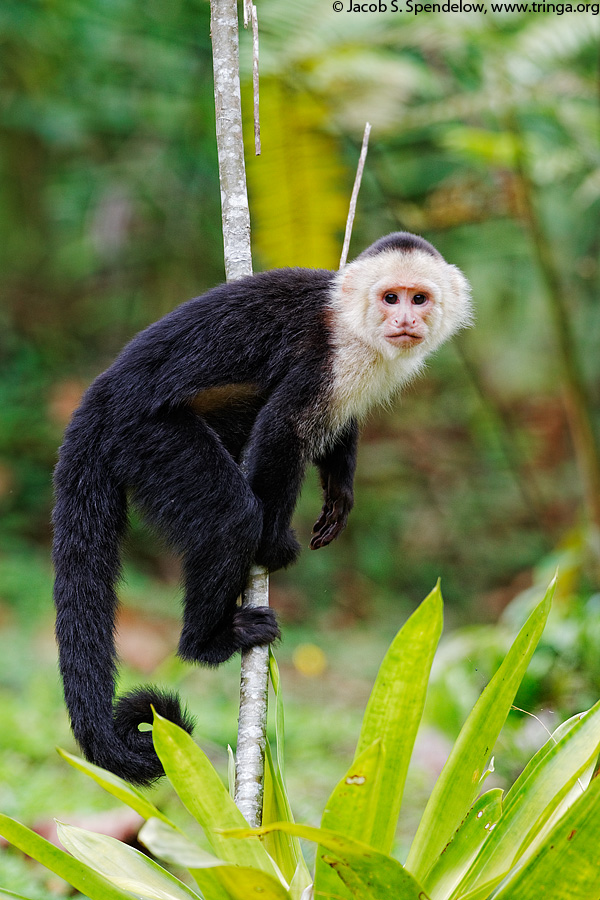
x,y
400,240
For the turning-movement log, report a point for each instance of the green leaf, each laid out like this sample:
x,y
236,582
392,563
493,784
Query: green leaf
x,y
203,793
243,883
567,865
134,872
483,892
537,759
122,865
458,855
76,873
459,782
285,849
351,810
298,883
279,714
169,844
549,776
379,875
395,709
115,786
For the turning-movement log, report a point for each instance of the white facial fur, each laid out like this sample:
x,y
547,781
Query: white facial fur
x,y
370,364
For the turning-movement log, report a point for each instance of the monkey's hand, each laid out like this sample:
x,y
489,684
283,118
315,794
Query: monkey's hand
x,y
332,520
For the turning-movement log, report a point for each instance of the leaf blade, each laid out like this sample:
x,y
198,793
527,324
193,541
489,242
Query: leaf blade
x,y
458,784
395,709
76,873
205,796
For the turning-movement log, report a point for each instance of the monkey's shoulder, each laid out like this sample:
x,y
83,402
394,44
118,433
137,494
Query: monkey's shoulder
x,y
280,304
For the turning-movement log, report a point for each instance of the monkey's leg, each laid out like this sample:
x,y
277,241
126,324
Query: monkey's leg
x,y
189,487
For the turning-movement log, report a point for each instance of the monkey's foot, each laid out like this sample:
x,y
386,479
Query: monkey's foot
x,y
277,552
254,626
250,627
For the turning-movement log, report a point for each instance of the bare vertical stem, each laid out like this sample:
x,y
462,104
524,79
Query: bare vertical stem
x,y
252,721
354,198
238,262
230,144
576,393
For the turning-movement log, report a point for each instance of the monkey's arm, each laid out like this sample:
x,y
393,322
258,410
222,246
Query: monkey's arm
x,y
275,460
336,470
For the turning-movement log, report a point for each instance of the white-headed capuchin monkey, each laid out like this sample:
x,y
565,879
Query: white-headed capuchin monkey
x,y
280,365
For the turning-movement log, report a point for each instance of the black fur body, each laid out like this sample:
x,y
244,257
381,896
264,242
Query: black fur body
x,y
206,422
246,365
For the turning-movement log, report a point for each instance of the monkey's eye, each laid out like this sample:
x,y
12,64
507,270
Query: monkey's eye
x,y
390,298
419,299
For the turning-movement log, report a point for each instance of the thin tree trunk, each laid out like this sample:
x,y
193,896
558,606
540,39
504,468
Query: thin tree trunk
x,y
576,394
238,262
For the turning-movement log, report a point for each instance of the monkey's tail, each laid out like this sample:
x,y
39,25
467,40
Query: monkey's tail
x,y
89,520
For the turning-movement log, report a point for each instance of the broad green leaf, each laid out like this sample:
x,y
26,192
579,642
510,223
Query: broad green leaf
x,y
536,760
458,784
244,883
145,879
115,786
122,865
381,875
483,892
368,883
395,709
203,793
351,810
76,873
284,848
567,865
168,843
457,856
548,778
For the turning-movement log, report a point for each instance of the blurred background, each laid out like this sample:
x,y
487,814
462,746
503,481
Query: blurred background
x,y
486,473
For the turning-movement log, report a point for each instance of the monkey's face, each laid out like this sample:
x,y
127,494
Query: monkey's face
x,y
405,311
404,303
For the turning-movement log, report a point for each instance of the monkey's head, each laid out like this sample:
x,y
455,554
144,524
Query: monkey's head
x,y
402,297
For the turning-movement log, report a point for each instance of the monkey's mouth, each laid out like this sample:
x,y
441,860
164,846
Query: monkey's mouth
x,y
403,338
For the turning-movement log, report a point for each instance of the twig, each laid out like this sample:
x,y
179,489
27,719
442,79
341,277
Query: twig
x,y
251,17
354,197
255,80
238,262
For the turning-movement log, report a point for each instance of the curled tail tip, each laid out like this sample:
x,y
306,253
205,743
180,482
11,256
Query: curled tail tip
x,y
135,709
124,749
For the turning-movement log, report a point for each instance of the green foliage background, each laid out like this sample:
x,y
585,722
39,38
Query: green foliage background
x,y
109,217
